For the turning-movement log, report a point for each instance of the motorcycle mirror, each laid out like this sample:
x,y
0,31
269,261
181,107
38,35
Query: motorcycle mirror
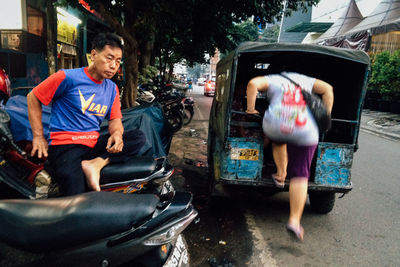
x,y
4,117
4,121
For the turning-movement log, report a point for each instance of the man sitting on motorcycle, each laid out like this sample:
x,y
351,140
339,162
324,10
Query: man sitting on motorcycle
x,y
81,99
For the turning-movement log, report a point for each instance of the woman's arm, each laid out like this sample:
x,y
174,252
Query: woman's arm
x,y
326,91
255,85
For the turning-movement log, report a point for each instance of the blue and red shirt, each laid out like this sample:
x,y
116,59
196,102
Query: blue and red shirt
x,y
79,105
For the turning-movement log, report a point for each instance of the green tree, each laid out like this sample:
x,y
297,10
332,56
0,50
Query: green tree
x,y
270,34
244,31
174,30
196,70
385,74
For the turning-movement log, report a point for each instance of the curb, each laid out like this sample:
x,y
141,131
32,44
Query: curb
x,y
387,135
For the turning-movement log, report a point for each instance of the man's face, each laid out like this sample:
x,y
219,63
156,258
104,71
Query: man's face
x,y
107,61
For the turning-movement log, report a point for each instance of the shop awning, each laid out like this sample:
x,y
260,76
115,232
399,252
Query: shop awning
x,y
310,27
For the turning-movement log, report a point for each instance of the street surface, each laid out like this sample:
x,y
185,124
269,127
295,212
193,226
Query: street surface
x,y
247,227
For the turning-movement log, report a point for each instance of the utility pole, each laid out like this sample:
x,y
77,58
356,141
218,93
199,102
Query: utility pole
x,y
283,16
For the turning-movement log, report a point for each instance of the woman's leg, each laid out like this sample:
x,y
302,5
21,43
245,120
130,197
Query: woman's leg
x,y
297,198
299,163
281,160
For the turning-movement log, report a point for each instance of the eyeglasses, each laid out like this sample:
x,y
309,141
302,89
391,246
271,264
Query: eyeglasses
x,y
110,60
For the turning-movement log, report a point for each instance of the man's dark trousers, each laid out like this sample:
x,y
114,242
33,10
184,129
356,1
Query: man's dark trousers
x,y
65,160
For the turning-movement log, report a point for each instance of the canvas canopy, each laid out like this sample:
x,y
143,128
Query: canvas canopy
x,y
348,20
382,26
384,18
248,47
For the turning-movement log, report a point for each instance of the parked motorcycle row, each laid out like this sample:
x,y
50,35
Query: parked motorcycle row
x,y
136,220
178,108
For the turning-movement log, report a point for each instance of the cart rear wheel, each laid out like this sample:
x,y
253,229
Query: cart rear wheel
x,y
175,121
322,202
210,162
187,116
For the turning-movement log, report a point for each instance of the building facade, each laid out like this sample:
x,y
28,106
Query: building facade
x,y
24,31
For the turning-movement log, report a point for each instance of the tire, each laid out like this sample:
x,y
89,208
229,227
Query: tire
x,y
322,202
175,121
210,163
6,192
187,116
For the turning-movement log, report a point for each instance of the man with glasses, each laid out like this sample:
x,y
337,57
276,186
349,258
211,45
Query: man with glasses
x,y
81,99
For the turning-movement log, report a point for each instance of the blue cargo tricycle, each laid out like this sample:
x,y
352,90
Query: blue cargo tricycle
x,y
236,152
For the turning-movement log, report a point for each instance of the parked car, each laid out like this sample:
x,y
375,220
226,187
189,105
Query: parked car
x,y
201,81
209,88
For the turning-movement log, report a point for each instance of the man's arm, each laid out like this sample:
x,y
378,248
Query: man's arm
x,y
39,143
326,91
256,84
115,142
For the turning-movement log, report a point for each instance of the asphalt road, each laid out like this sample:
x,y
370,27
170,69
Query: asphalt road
x,y
246,228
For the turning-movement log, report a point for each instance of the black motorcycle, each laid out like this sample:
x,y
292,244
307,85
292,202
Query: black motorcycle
x,y
188,111
31,178
172,103
96,229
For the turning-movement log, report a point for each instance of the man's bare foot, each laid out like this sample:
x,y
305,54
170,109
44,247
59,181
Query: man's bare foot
x,y
91,169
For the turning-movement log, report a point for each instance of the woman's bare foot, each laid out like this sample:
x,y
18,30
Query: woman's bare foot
x,y
278,181
296,231
91,169
280,177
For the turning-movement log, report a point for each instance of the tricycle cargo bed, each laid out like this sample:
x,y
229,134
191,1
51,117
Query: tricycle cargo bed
x,y
243,163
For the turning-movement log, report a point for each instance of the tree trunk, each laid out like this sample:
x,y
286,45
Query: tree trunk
x,y
51,37
164,65
171,71
146,51
132,74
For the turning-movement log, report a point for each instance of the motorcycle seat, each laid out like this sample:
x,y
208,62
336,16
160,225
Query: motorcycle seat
x,y
59,223
136,167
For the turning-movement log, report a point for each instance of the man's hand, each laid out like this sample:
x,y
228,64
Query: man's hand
x,y
115,143
39,145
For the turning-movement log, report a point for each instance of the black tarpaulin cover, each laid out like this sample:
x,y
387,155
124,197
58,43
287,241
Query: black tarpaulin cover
x,y
148,118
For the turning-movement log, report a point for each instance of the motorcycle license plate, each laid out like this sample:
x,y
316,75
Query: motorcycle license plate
x,y
179,257
245,154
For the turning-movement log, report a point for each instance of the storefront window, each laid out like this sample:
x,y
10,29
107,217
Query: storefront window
x,y
11,40
35,21
67,36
